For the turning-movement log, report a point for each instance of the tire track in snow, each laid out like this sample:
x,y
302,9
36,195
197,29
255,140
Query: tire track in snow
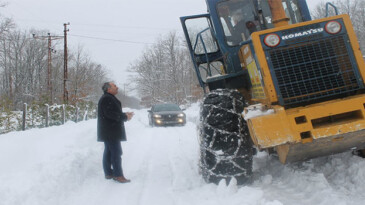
x,y
136,163
158,176
163,164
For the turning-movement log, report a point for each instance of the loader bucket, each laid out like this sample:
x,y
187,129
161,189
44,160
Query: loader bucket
x,y
312,131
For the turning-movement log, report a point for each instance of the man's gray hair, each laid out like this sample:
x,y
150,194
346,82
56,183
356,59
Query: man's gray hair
x,y
106,86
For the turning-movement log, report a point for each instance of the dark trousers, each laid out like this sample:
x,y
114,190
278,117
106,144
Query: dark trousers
x,y
112,158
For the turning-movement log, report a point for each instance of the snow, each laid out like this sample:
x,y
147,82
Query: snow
x,y
62,165
257,110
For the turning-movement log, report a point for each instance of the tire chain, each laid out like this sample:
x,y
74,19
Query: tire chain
x,y
210,172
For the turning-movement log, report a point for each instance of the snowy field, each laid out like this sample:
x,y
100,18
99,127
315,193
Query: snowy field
x,y
62,165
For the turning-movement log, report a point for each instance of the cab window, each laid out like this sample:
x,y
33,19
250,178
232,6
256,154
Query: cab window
x,y
200,35
238,20
292,11
239,17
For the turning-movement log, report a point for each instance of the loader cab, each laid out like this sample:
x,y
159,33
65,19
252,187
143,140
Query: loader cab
x,y
240,19
214,39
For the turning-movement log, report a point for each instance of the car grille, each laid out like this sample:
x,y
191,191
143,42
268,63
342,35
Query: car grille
x,y
313,70
169,117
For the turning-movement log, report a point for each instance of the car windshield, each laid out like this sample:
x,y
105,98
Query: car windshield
x,y
166,107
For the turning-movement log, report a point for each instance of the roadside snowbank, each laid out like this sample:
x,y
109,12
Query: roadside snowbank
x,y
62,165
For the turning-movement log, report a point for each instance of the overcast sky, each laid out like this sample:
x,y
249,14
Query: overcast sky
x,y
113,32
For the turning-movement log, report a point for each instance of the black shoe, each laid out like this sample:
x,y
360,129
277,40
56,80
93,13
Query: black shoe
x,y
108,177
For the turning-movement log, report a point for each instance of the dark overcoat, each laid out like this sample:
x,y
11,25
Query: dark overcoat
x,y
111,119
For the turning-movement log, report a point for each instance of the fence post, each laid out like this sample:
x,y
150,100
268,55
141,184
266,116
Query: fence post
x,y
63,114
85,115
24,115
47,115
77,115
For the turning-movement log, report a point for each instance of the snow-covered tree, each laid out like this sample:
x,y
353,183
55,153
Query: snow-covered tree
x,y
165,72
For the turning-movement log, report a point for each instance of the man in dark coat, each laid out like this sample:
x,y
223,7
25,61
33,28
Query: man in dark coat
x,y
111,131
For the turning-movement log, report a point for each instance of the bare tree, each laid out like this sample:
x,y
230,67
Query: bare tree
x,y
164,72
85,77
23,70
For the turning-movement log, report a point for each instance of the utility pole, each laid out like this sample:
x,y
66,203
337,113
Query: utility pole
x,y
65,92
49,68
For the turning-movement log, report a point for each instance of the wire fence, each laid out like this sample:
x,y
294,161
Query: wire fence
x,y
35,116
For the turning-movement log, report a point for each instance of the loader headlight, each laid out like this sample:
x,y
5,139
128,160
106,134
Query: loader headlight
x,y
333,27
272,40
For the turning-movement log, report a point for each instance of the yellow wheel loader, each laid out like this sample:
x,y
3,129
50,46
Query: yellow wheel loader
x,y
298,82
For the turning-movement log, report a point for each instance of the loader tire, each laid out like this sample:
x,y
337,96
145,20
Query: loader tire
x,y
225,145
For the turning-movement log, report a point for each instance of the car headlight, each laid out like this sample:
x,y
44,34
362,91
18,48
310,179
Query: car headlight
x,y
156,116
181,115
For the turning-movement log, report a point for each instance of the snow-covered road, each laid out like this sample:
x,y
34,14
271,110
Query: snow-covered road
x,y
62,165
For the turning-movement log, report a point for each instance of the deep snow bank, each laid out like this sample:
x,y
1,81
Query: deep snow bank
x,y
62,165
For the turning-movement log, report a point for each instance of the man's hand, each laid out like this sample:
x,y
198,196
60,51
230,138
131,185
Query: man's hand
x,y
129,115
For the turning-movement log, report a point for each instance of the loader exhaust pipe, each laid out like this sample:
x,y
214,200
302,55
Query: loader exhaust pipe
x,y
278,13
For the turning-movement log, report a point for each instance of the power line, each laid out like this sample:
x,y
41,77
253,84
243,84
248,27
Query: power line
x,y
123,27
108,39
97,25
